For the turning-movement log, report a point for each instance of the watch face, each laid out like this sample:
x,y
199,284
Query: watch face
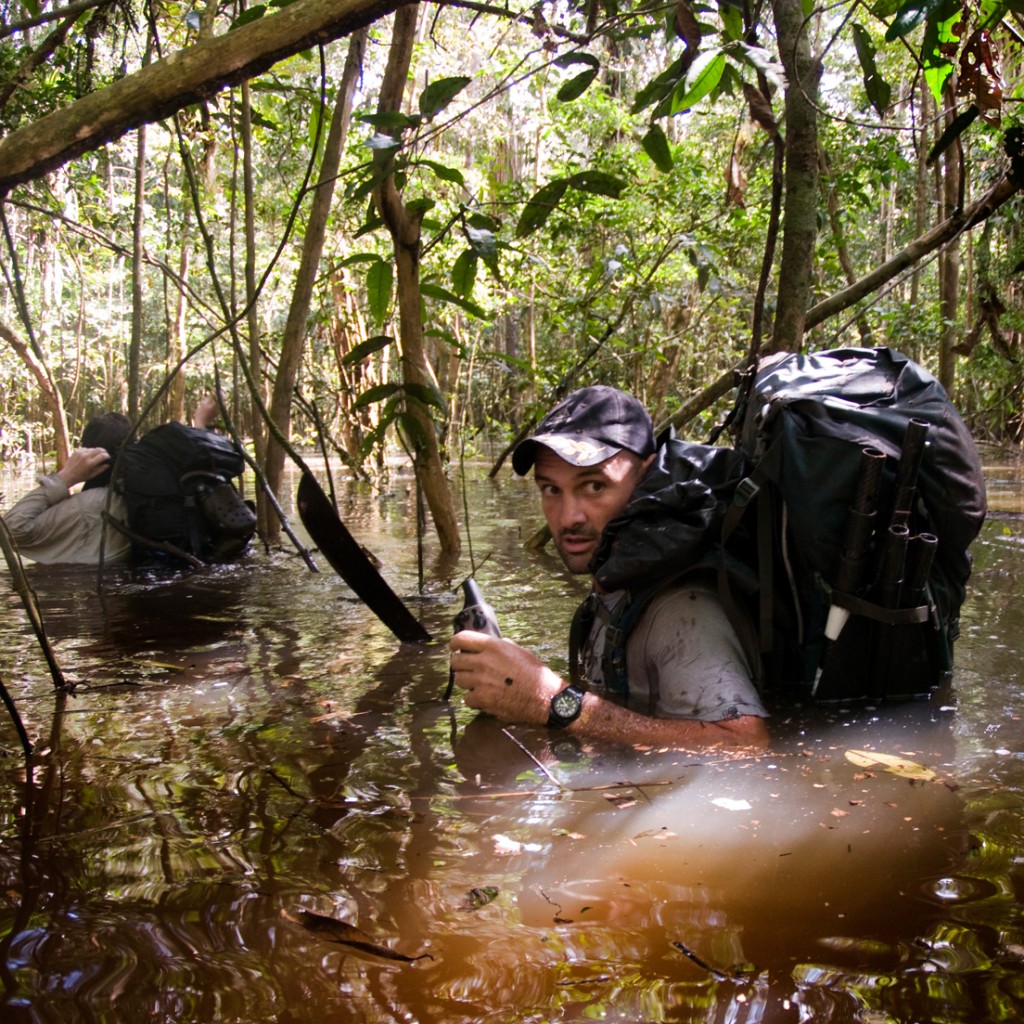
x,y
565,704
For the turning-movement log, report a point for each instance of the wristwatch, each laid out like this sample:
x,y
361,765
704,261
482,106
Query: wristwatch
x,y
566,706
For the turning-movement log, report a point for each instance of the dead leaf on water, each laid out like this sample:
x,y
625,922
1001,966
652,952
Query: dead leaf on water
x,y
892,763
620,800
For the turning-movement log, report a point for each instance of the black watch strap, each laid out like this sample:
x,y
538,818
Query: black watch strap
x,y
566,706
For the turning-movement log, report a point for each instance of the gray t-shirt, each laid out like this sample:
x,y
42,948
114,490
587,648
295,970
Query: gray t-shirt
x,y
683,658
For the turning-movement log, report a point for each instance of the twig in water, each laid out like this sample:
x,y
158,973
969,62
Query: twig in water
x,y
690,955
533,759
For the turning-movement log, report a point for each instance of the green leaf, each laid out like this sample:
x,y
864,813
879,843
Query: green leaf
x,y
483,241
878,90
440,93
359,257
940,35
567,60
484,220
655,145
732,19
250,14
577,86
599,183
990,12
379,281
464,273
376,394
703,76
660,86
444,172
540,206
425,394
366,348
910,15
390,120
435,291
421,205
760,60
414,431
953,131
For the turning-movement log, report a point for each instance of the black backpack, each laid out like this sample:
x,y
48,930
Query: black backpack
x,y
864,495
181,503
847,505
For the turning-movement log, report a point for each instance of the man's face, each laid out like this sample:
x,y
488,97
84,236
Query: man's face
x,y
578,502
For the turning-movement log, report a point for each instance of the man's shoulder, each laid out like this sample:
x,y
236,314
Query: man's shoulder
x,y
693,593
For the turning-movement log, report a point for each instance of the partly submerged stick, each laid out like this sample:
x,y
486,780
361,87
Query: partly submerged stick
x,y
348,559
30,603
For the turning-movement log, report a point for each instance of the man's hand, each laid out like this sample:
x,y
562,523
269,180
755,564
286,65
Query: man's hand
x,y
83,464
207,412
502,678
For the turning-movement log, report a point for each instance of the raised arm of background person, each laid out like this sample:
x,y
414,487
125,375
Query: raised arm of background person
x,y
513,684
50,524
206,413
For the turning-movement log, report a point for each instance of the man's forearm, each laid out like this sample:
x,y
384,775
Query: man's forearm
x,y
602,719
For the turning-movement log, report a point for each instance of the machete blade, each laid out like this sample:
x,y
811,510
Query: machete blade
x,y
348,560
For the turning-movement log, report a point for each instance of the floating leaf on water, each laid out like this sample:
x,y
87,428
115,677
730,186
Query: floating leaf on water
x,y
620,800
504,846
480,897
333,930
893,763
728,804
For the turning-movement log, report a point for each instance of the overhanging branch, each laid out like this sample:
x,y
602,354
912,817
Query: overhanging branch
x,y
160,89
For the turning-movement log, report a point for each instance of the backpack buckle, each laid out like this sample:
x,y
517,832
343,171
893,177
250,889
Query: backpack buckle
x,y
745,491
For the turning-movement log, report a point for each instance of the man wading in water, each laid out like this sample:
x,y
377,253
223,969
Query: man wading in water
x,y
684,680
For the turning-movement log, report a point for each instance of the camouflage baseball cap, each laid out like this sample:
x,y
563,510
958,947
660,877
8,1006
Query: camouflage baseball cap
x,y
589,427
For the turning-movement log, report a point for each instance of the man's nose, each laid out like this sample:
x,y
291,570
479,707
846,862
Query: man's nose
x,y
573,512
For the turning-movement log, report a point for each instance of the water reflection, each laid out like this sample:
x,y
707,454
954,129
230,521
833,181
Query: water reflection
x,y
252,744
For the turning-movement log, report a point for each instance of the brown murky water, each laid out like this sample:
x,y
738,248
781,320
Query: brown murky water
x,y
251,747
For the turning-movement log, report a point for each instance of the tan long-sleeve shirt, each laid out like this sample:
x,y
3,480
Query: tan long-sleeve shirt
x,y
50,524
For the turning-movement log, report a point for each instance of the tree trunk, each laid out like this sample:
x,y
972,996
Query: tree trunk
x,y
139,215
176,321
800,220
50,392
266,515
404,227
294,342
949,262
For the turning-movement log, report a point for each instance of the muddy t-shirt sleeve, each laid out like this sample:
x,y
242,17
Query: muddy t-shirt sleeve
x,y
685,660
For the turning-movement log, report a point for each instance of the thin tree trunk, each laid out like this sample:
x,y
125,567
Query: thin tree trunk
x,y
835,218
266,515
949,263
404,227
139,216
51,393
800,219
176,337
294,342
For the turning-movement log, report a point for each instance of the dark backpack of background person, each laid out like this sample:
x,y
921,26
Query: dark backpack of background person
x,y
865,492
177,486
